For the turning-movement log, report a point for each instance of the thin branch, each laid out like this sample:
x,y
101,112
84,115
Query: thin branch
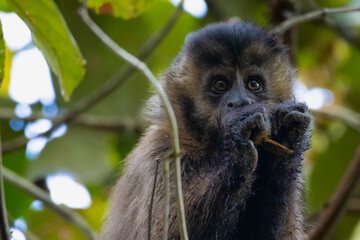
x,y
279,11
276,148
318,14
106,123
14,144
335,208
141,66
8,113
37,193
342,30
166,197
350,36
109,123
105,90
152,198
4,225
154,41
350,118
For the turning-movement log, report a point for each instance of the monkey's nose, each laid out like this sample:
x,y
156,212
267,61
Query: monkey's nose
x,y
230,105
238,104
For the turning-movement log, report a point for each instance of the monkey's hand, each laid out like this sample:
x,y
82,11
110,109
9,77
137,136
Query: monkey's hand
x,y
291,123
250,127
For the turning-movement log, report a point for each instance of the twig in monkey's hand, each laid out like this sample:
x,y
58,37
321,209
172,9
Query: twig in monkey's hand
x,y
276,148
267,143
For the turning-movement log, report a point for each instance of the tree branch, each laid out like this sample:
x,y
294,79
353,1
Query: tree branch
x,y
152,198
278,13
350,118
106,123
318,14
167,197
335,208
154,41
37,193
109,123
4,225
141,66
350,37
114,82
8,113
342,30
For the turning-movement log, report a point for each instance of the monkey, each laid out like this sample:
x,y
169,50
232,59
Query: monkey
x,y
231,86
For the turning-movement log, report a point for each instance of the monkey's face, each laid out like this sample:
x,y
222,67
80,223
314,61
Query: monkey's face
x,y
224,67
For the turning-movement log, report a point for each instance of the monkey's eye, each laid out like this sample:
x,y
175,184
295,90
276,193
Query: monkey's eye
x,y
254,83
220,86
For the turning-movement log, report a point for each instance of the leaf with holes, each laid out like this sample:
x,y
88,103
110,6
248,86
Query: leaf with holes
x,y
52,36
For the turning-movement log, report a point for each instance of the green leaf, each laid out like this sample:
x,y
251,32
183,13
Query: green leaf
x,y
17,201
123,8
2,55
52,36
4,6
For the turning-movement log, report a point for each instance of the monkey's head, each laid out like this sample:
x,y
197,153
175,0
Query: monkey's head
x,y
224,67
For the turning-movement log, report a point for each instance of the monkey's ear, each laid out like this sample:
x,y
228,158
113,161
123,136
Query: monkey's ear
x,y
278,40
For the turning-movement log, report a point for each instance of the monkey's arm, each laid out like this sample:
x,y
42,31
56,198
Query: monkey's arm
x,y
217,185
279,182
128,208
291,125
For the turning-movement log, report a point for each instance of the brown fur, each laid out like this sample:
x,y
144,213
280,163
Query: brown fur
x,y
206,204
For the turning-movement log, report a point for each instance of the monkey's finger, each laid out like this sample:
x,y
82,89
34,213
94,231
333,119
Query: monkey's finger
x,y
297,118
285,108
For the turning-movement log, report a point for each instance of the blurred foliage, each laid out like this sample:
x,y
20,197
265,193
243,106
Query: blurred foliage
x,y
325,59
50,34
2,55
5,7
6,71
17,201
7,67
98,150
